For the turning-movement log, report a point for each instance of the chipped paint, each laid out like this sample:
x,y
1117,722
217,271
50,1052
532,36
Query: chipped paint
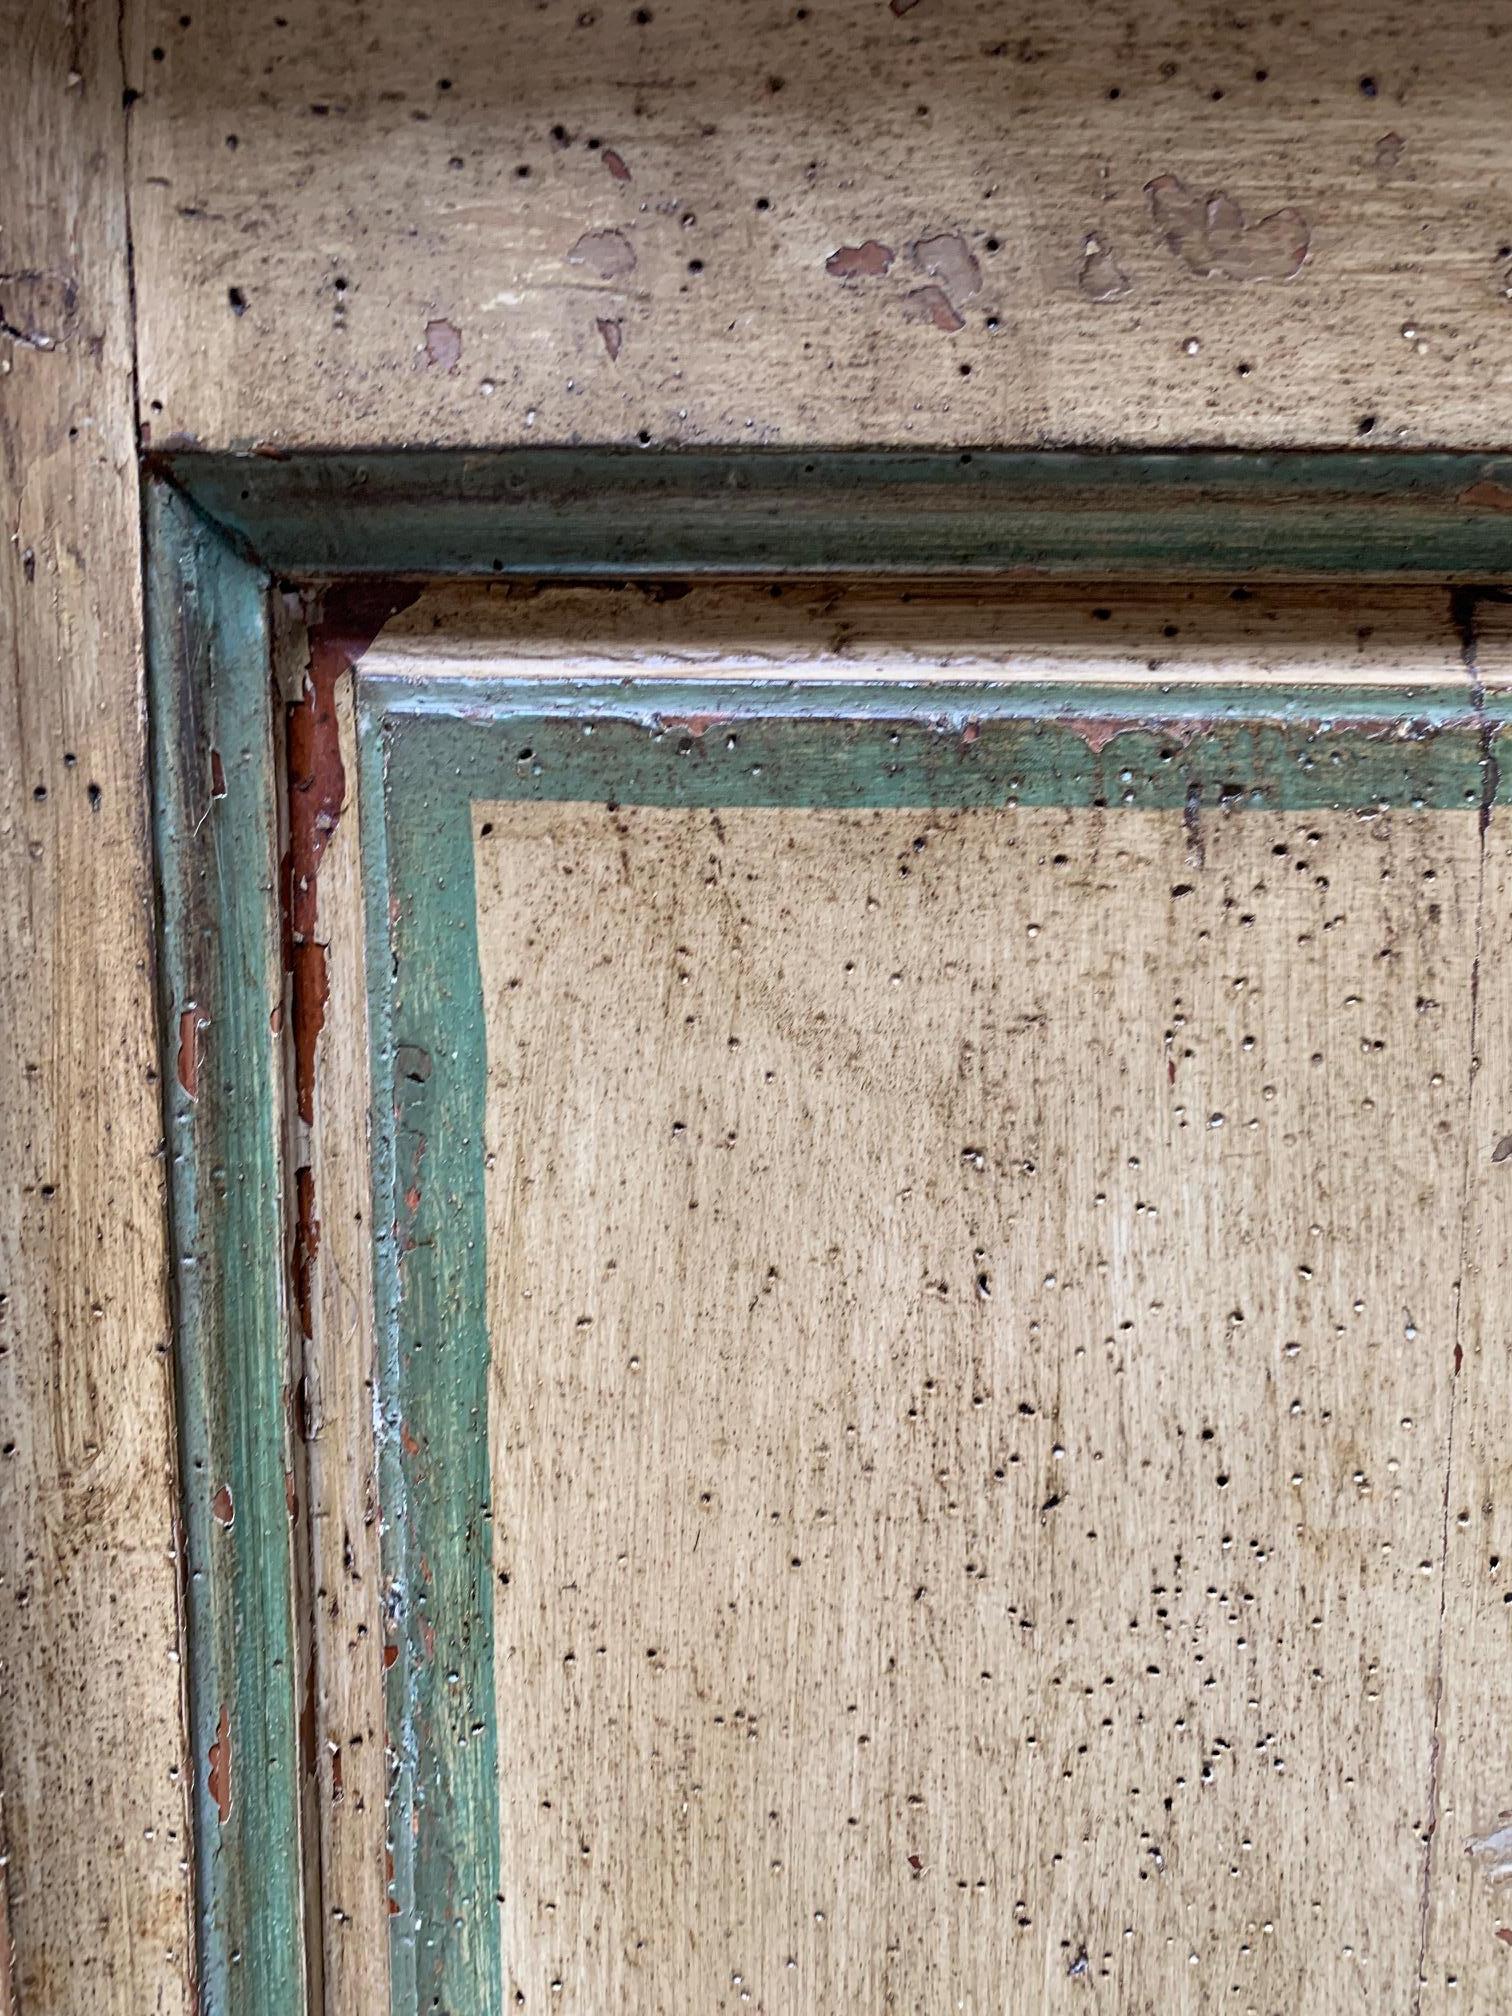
x,y
348,619
948,259
614,161
866,261
1487,495
193,1022
932,305
222,1507
1100,277
612,334
607,255
306,1246
1493,1851
218,1779
1213,239
443,344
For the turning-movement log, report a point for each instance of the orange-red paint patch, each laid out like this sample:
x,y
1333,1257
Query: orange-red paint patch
x,y
218,1781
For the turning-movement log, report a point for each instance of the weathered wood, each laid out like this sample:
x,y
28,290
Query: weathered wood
x,y
344,1724
701,220
595,512
972,1362
1467,1911
92,1761
1318,1399
216,807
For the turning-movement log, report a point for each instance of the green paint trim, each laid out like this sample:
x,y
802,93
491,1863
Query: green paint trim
x,y
430,1059
218,525
215,802
608,512
719,743
428,758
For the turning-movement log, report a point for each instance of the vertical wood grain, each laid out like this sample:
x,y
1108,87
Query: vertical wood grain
x,y
221,987
973,1299
1466,1933
92,1765
333,1279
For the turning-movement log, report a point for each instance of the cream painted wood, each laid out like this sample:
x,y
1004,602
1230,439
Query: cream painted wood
x,y
848,221
94,1891
975,1301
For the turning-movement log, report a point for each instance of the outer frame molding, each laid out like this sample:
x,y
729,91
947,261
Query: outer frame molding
x,y
220,988
222,530
606,511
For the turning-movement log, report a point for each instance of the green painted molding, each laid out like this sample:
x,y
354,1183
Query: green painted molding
x,y
222,530
429,1049
220,983
595,512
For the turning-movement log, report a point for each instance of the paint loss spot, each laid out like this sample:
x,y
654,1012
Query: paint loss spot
x,y
1100,278
443,345
607,255
615,163
218,1782
38,310
1213,238
222,1509
192,1024
932,305
950,260
1494,1851
612,334
867,261
1389,150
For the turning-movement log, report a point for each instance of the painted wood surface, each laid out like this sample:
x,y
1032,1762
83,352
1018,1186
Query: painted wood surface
x,y
222,986
1033,515
846,221
972,1301
94,1779
1312,957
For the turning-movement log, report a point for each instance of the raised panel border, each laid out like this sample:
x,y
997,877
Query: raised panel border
x,y
226,533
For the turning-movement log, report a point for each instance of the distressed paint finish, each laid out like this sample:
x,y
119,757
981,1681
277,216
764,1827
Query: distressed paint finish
x,y
972,1298
342,1723
433,757
1298,220
94,1823
1466,1906
594,511
428,1062
221,980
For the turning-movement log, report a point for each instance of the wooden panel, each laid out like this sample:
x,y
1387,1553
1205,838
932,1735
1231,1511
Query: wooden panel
x,y
1128,1066
93,1782
972,1361
844,222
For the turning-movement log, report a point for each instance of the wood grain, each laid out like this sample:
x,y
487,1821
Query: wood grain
x,y
699,220
345,1730
92,1755
973,1300
1467,1910
1178,636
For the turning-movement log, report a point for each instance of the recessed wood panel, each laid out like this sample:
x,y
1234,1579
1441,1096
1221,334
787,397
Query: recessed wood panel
x,y
972,1303
920,1321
